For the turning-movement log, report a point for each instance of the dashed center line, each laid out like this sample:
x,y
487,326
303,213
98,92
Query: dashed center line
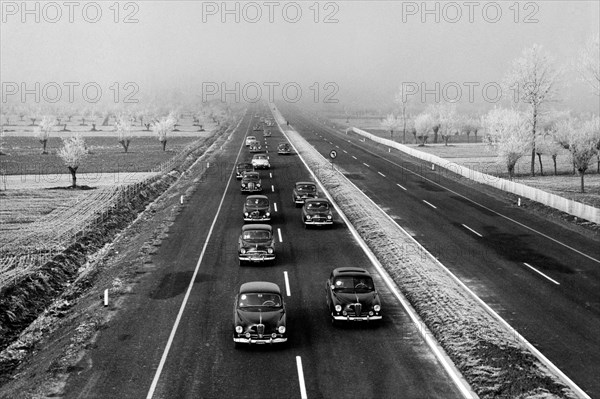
x,y
301,378
270,175
430,204
354,157
540,273
366,164
471,230
279,234
381,174
287,284
402,187
345,152
275,206
272,188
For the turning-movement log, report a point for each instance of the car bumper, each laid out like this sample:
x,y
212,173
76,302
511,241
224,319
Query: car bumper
x,y
256,258
320,223
260,341
357,318
264,219
251,190
262,166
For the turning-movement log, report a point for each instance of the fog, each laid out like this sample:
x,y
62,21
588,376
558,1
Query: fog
x,y
354,52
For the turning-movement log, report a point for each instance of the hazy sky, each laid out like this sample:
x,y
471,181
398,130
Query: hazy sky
x,y
365,51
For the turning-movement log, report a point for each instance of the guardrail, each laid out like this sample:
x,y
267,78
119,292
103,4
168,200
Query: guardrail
x,y
571,207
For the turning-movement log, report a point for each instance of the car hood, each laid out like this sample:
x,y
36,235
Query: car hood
x,y
259,244
317,212
366,298
271,319
250,208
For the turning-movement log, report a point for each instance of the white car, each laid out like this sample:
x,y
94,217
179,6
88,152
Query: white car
x,y
261,161
249,140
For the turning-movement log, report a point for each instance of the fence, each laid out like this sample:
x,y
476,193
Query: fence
x,y
566,205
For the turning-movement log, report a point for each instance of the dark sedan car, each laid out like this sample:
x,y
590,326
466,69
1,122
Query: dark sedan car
x,y
242,167
317,212
284,149
256,244
351,295
259,315
303,190
251,182
257,208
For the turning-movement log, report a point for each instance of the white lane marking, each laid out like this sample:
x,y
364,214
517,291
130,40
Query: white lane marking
x,y
402,187
272,188
345,152
287,284
301,378
381,174
279,234
471,230
430,204
366,164
540,273
270,175
491,210
354,157
266,151
163,359
337,146
275,206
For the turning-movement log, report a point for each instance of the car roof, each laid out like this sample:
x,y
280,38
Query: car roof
x,y
259,156
259,226
306,182
260,286
350,271
257,196
252,173
317,200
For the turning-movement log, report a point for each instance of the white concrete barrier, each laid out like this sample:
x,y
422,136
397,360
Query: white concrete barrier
x,y
574,208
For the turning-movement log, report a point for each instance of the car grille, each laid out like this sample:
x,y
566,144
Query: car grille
x,y
255,214
355,308
251,186
260,330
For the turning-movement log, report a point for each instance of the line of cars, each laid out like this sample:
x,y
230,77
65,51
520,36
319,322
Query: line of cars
x,y
259,308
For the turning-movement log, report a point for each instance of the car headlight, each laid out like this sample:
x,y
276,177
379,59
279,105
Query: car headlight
x,y
246,214
243,250
248,335
270,250
377,308
338,308
281,329
328,217
239,329
307,217
267,214
243,185
257,184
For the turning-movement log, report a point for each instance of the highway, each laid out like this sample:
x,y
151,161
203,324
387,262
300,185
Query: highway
x,y
544,279
172,338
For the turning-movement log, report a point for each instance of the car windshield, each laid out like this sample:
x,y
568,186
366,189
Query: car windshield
x,y
256,235
257,202
250,138
251,176
317,206
261,157
309,188
259,300
353,284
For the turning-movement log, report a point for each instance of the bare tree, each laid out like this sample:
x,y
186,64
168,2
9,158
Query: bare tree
x,y
507,131
588,63
43,130
402,100
582,138
123,126
424,123
447,120
390,123
72,153
534,80
162,127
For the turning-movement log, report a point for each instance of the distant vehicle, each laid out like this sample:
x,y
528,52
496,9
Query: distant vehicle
x,y
259,314
255,147
250,139
257,208
251,182
267,133
351,295
260,161
256,244
257,128
284,149
303,190
241,168
317,212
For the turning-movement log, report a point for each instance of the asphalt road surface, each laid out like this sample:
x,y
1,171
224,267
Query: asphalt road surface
x,y
542,278
358,361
